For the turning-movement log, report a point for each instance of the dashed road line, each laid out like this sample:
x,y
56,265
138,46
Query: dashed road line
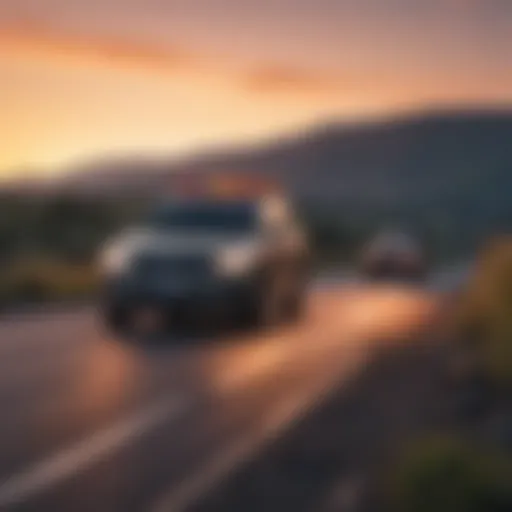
x,y
64,464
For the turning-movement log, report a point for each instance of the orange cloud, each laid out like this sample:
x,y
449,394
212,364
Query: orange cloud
x,y
369,91
47,41
295,81
334,87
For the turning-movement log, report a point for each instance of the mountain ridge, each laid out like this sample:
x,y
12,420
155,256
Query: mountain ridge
x,y
421,159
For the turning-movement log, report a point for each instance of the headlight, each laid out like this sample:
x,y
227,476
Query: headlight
x,y
114,260
235,261
117,254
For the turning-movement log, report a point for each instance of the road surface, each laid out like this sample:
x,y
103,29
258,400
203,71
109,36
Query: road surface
x,y
96,424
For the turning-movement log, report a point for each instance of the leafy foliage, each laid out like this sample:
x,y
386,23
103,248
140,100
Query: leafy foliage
x,y
48,245
446,475
485,317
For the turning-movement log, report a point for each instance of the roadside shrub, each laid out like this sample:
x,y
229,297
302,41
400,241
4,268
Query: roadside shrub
x,y
484,321
64,228
39,280
48,244
448,475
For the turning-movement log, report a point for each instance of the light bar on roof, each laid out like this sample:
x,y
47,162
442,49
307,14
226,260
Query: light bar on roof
x,y
223,186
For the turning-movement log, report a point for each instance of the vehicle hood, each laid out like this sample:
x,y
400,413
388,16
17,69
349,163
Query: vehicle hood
x,y
134,242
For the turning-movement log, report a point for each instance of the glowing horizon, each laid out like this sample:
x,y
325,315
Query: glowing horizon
x,y
85,81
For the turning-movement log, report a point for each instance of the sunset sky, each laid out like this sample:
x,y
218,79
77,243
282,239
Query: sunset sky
x,y
81,79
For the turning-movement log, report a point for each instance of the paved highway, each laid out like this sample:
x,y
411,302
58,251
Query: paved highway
x,y
91,423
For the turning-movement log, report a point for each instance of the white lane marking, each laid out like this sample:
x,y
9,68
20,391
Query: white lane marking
x,y
183,496
64,464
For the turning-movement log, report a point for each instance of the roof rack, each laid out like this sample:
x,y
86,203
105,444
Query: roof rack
x,y
223,186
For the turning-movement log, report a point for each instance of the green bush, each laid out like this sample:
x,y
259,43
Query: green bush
x,y
48,244
61,228
450,475
38,280
485,315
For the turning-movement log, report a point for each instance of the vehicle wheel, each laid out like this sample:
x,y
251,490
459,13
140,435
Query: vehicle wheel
x,y
295,303
295,307
115,319
266,306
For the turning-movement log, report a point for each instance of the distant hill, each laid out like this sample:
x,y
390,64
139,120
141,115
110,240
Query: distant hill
x,y
417,157
452,170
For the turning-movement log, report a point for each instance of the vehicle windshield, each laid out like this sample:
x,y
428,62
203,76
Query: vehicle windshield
x,y
204,217
394,242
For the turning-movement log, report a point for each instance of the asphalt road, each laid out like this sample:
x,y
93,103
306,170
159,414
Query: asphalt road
x,y
95,424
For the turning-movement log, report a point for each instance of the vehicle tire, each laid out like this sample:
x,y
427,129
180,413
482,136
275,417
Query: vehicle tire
x,y
295,307
295,302
265,307
115,319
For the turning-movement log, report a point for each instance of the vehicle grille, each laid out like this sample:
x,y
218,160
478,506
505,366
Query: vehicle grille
x,y
155,267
